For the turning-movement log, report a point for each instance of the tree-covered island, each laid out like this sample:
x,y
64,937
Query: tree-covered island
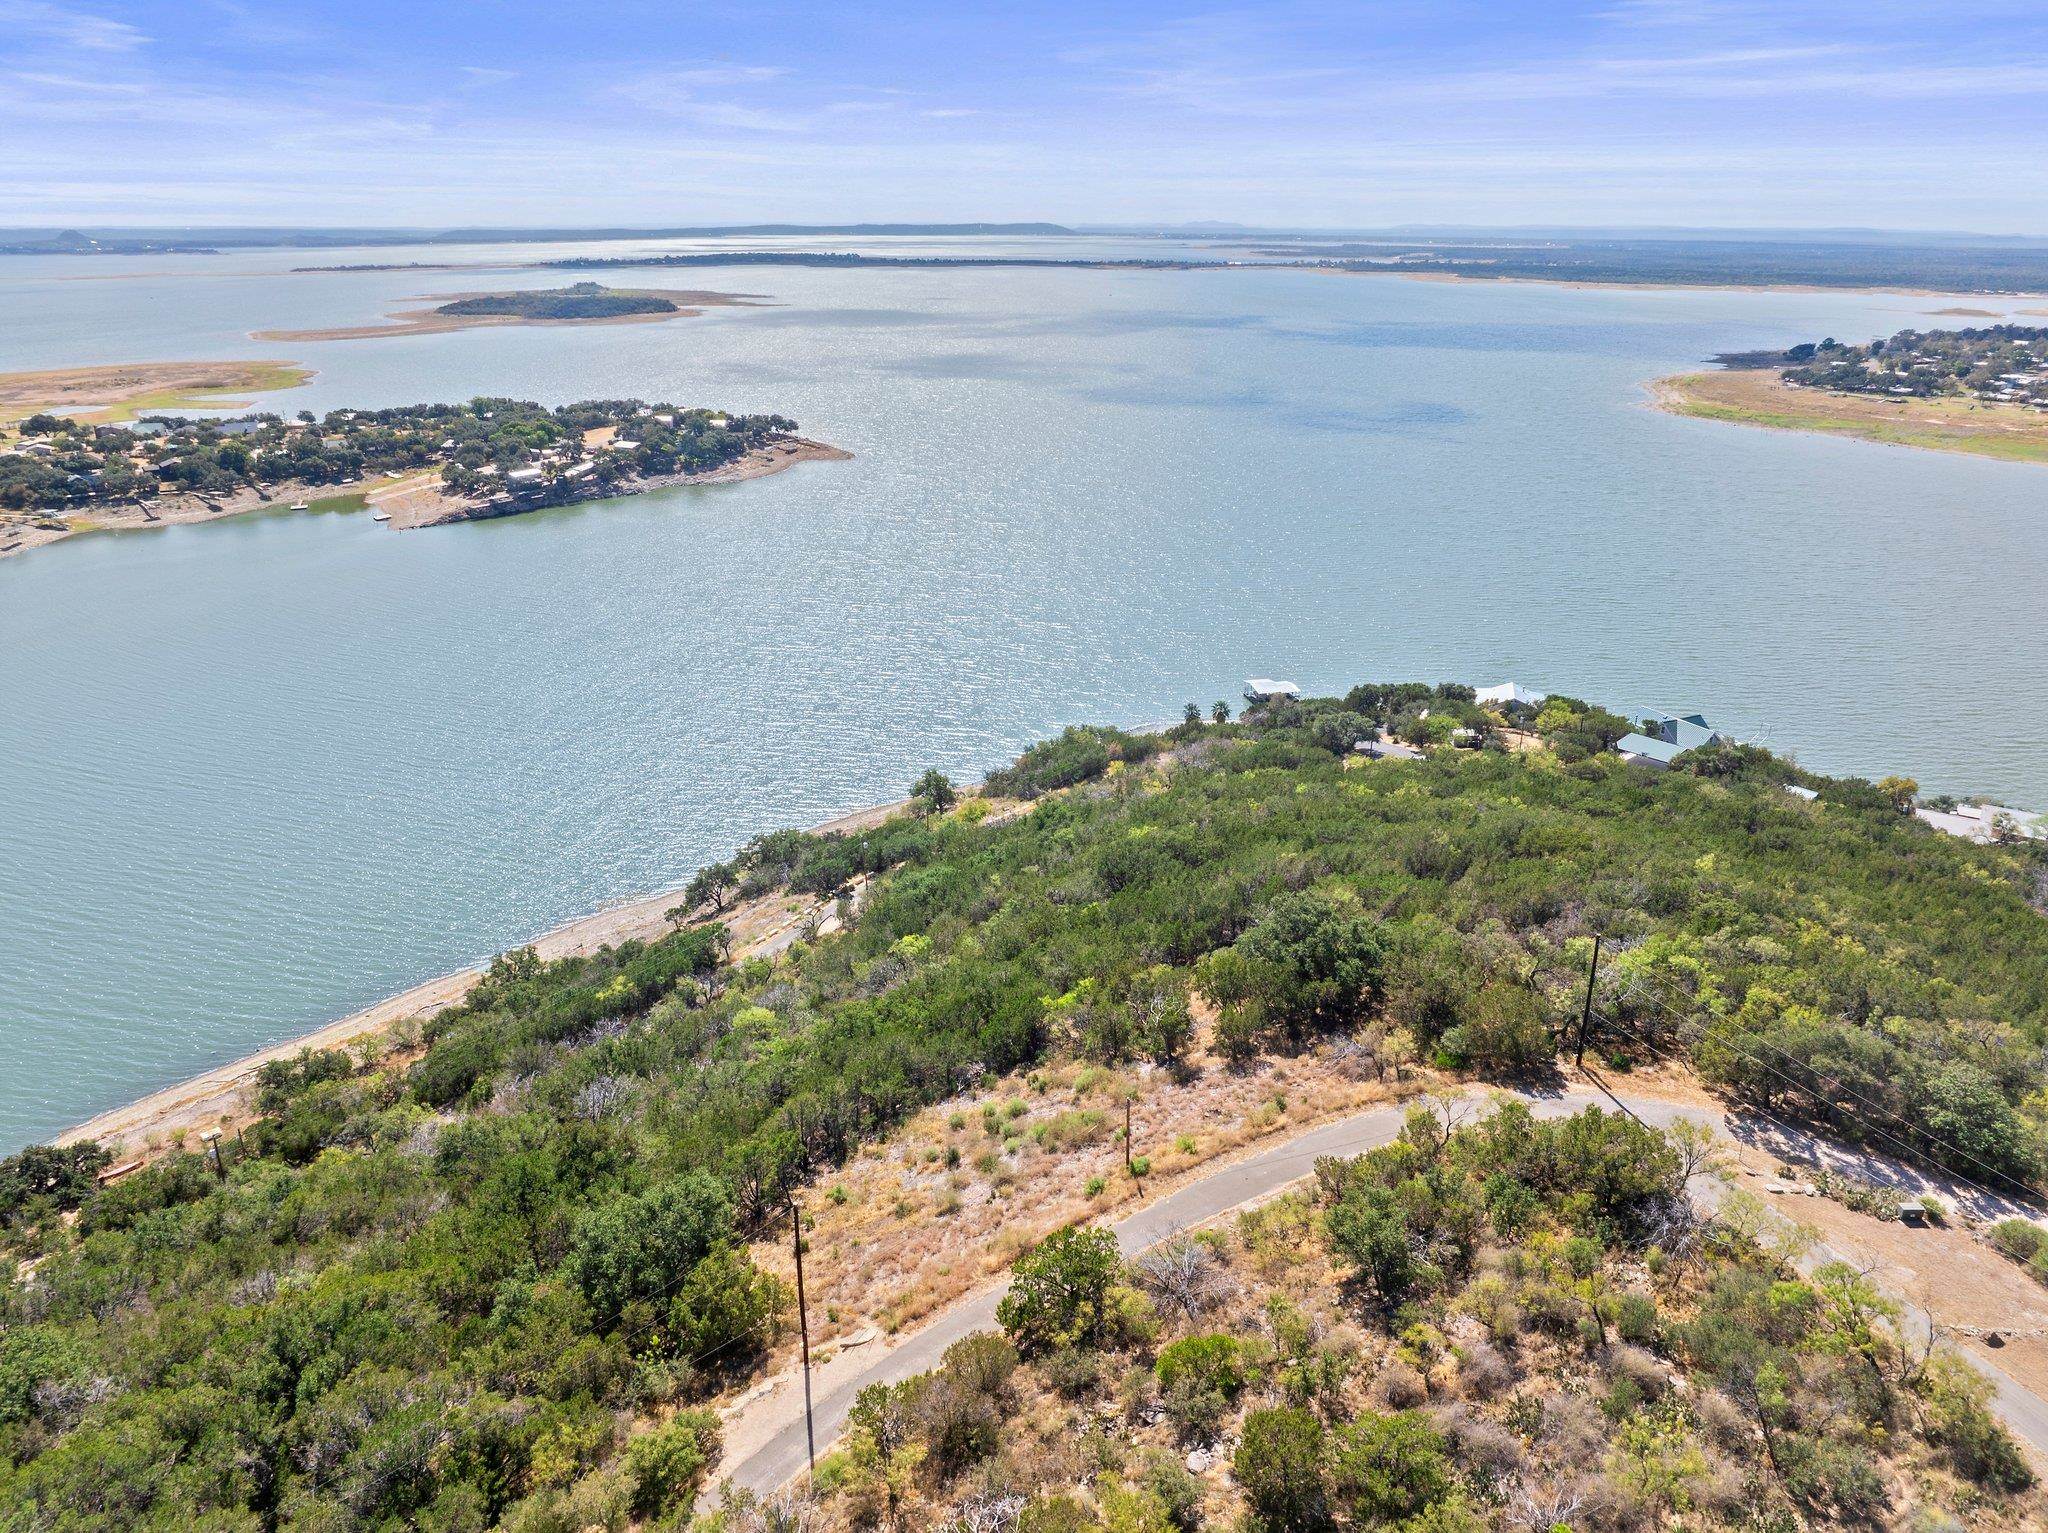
x,y
581,300
423,464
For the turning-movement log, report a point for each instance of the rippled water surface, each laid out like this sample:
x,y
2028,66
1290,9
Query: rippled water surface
x,y
262,772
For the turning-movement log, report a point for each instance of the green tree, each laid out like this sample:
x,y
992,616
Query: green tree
x,y
1314,962
1059,1292
727,1309
1369,1228
933,793
638,1248
1279,1462
666,1465
1388,1467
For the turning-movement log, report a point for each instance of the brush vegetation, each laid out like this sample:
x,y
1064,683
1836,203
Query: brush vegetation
x,y
491,1275
1498,1324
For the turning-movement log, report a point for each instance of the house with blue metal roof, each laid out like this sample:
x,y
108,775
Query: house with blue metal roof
x,y
1664,736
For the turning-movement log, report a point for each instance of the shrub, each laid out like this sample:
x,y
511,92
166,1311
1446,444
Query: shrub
x,y
1279,1463
2021,1239
1206,1362
1505,1030
1635,1317
1385,1468
667,1465
1959,1419
1074,1372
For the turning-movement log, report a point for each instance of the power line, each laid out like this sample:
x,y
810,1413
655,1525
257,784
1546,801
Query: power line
x,y
1879,1107
1906,1145
1640,984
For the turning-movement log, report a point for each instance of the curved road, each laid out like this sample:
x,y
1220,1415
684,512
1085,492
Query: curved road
x,y
778,1460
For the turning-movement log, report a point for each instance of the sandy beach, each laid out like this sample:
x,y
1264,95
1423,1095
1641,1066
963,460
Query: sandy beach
x,y
221,1098
124,390
1761,397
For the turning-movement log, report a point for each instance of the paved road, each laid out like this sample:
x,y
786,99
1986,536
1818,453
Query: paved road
x,y
1245,1182
1251,1180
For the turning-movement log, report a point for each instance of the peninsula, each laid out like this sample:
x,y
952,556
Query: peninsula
x,y
1976,391
121,392
581,303
419,465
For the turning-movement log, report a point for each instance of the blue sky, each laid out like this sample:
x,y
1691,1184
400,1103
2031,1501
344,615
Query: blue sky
x,y
1702,112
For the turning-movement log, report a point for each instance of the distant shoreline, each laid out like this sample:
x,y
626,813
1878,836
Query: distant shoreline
x,y
1761,397
853,262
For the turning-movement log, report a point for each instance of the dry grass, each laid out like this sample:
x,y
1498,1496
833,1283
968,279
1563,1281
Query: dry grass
x,y
964,1188
2015,433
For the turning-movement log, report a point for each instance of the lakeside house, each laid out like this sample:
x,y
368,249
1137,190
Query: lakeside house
x,y
1986,822
1264,689
1507,693
1665,736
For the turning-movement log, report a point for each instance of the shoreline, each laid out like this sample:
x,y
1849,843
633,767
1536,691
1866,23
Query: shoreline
x,y
140,1129
414,500
1759,397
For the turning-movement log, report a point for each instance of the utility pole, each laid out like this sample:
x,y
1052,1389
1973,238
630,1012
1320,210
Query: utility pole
x,y
1128,1166
803,1321
1586,1014
211,1138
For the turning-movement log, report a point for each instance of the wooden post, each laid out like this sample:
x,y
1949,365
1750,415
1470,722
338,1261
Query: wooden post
x,y
1586,1014
212,1141
803,1321
1128,1165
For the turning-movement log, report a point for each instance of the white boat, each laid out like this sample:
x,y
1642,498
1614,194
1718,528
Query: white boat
x,y
380,516
300,505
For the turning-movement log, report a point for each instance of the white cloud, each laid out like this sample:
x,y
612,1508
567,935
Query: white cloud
x,y
70,28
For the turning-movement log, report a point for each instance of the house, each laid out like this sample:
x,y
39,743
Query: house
x,y
1508,692
1984,822
1264,689
1665,736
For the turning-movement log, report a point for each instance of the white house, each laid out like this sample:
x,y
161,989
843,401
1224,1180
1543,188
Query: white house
x,y
1264,689
1508,692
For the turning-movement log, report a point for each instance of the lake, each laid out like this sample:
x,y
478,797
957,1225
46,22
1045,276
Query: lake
x,y
263,772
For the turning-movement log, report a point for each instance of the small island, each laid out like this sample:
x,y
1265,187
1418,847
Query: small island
x,y
416,465
581,303
1982,391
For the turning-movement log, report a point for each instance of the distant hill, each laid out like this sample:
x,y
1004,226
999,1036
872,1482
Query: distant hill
x,y
154,241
